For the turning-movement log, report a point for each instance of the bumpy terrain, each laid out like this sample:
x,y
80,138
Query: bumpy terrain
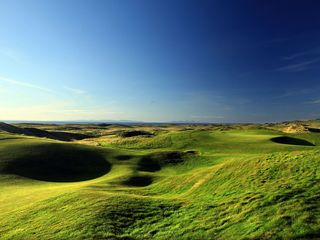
x,y
160,181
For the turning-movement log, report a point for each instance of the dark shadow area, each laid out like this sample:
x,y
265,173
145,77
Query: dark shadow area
x,y
135,133
192,152
308,236
123,157
139,181
10,128
314,130
62,136
104,124
57,163
154,161
35,132
10,138
167,157
291,141
148,165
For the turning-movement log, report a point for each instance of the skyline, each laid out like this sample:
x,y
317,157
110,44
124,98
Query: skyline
x,y
197,61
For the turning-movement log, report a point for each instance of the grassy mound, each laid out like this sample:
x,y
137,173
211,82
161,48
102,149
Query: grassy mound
x,y
291,141
53,162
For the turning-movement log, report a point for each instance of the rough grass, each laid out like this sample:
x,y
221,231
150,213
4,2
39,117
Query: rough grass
x,y
195,182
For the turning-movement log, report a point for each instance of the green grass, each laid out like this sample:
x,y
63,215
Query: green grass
x,y
194,183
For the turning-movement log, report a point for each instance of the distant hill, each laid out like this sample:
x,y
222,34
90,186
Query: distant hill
x,y
11,129
62,136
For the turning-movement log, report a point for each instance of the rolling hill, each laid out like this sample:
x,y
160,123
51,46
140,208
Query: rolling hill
x,y
180,182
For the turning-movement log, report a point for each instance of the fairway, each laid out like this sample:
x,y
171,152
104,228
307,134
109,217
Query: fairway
x,y
161,182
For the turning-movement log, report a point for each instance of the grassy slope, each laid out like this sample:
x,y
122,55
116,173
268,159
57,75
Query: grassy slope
x,y
238,185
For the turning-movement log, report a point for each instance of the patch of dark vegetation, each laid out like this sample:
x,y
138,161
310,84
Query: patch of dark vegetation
x,y
138,181
135,133
35,132
287,195
123,157
154,161
121,216
315,235
291,141
314,130
56,162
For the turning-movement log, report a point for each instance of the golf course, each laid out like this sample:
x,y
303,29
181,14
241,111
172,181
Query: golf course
x,y
160,181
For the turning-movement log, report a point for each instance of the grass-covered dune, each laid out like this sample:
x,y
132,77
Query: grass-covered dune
x,y
53,162
184,182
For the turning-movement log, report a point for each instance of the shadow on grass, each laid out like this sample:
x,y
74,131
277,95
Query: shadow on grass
x,y
139,181
62,136
148,165
291,141
154,161
123,157
314,130
57,163
135,133
315,235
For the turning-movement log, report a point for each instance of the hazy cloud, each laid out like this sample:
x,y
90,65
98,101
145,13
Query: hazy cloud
x,y
296,55
11,54
314,51
298,67
298,92
316,101
25,84
57,111
74,90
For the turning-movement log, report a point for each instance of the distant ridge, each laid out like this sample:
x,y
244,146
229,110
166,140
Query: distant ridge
x,y
11,129
62,136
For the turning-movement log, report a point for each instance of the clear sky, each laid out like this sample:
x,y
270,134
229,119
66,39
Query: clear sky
x,y
160,60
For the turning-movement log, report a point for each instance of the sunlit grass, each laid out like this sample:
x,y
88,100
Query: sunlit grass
x,y
234,184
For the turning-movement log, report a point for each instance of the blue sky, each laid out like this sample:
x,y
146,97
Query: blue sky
x,y
204,61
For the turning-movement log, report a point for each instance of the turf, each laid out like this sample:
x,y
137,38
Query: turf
x,y
184,182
